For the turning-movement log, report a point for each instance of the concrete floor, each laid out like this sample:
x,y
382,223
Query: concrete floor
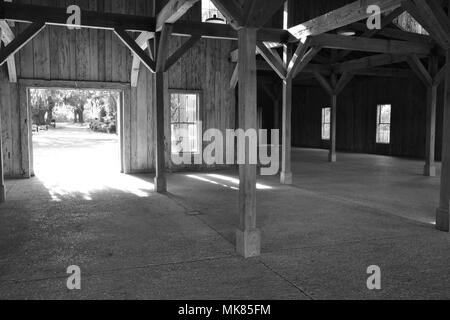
x,y
319,236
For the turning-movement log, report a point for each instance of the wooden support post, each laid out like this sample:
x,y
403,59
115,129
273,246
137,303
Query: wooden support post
x,y
430,166
332,154
2,173
160,161
286,172
443,212
248,237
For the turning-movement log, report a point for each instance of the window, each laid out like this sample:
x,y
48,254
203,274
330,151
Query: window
x,y
326,123
384,124
185,122
211,14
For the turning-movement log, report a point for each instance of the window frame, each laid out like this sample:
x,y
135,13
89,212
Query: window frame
x,y
199,95
380,123
323,123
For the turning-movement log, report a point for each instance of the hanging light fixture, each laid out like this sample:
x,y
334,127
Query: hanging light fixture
x,y
346,32
215,19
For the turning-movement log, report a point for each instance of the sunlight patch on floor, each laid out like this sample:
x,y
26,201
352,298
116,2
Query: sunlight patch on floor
x,y
221,179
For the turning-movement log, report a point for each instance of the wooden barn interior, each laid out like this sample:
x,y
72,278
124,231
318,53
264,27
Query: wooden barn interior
x,y
363,113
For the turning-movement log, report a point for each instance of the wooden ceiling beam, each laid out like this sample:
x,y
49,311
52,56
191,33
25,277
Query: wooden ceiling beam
x,y
340,17
309,55
395,33
424,14
420,70
163,47
333,41
135,49
173,11
232,11
7,36
273,59
369,62
385,21
21,40
90,19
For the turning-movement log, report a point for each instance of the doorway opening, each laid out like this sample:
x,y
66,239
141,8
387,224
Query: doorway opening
x,y
76,139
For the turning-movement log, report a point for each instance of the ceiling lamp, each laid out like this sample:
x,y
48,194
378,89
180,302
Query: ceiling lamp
x,y
215,19
346,32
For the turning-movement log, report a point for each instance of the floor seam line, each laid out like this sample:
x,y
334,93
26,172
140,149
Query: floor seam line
x,y
307,295
120,269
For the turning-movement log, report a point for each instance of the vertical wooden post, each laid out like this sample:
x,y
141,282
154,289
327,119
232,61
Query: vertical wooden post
x,y
2,173
443,212
248,237
333,120
430,166
159,93
332,154
286,151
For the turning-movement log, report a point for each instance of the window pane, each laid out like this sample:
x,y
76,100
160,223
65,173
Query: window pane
x,y
385,116
326,131
326,120
384,133
384,124
185,123
183,107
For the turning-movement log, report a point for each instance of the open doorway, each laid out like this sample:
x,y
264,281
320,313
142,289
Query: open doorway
x,y
75,136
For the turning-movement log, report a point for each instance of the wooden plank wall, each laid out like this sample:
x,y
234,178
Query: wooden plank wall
x,y
96,55
356,117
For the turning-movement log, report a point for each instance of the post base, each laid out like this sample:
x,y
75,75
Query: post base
x,y
160,184
429,171
442,220
2,194
332,157
286,178
248,243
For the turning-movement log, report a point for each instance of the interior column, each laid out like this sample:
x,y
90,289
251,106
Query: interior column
x,y
248,237
286,171
442,215
430,166
160,161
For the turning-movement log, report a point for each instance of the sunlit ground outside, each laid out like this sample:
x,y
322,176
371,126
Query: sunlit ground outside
x,y
74,162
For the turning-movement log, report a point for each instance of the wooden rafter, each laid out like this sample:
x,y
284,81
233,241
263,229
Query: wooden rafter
x,y
173,11
142,41
137,51
333,41
232,11
371,33
273,59
235,77
8,36
340,17
181,51
369,62
432,17
163,48
420,70
428,77
309,55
